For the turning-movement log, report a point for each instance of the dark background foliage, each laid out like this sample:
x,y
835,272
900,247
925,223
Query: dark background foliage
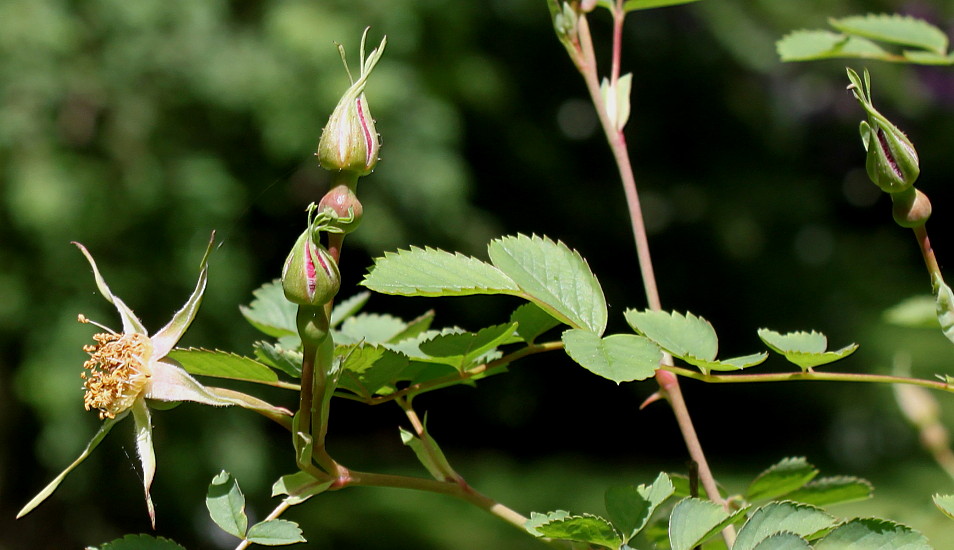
x,y
139,127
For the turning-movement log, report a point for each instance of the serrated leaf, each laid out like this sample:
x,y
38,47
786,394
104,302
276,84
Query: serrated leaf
x,y
429,454
783,541
586,528
278,357
532,321
275,532
431,272
299,487
945,503
414,327
736,363
618,357
927,58
629,507
270,312
826,491
372,328
873,534
348,307
553,277
781,478
366,369
139,542
633,5
944,306
226,504
465,349
803,520
805,349
676,333
693,521
895,29
222,364
807,45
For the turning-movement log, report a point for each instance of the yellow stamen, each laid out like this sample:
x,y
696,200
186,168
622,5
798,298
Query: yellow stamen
x,y
118,368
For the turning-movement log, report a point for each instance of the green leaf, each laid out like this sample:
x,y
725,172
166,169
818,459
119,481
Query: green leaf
x,y
633,5
226,504
429,454
803,520
431,272
630,508
894,29
780,479
278,357
619,357
916,312
783,541
553,277
944,306
676,333
299,487
348,307
372,328
927,58
873,534
586,528
222,364
532,321
805,349
139,542
275,532
270,312
693,521
414,327
811,45
945,503
464,350
826,491
366,369
736,363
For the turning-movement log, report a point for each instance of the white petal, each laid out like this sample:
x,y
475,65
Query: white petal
x,y
147,455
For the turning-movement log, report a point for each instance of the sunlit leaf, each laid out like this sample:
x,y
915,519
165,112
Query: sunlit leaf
x,y
431,272
894,28
944,306
805,349
278,357
554,277
222,364
366,369
780,479
463,350
873,534
586,528
783,541
693,521
348,307
275,532
803,520
372,328
735,363
676,333
270,312
630,508
810,45
826,491
226,504
299,487
618,357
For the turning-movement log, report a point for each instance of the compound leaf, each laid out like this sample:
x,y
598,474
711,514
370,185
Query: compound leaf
x,y
275,532
825,491
894,29
693,521
780,479
226,504
679,334
873,534
586,528
222,364
779,517
270,312
805,349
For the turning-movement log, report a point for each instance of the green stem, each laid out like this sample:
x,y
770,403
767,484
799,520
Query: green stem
x,y
811,376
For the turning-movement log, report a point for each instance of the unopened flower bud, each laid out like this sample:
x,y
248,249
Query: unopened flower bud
x,y
892,162
349,141
910,208
310,276
347,209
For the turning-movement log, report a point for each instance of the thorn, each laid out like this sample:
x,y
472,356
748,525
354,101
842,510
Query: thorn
x,y
656,396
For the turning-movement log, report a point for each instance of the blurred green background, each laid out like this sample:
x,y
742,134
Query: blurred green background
x,y
137,128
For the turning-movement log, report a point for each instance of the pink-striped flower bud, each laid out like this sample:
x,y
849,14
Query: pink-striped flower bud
x,y
310,276
350,141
